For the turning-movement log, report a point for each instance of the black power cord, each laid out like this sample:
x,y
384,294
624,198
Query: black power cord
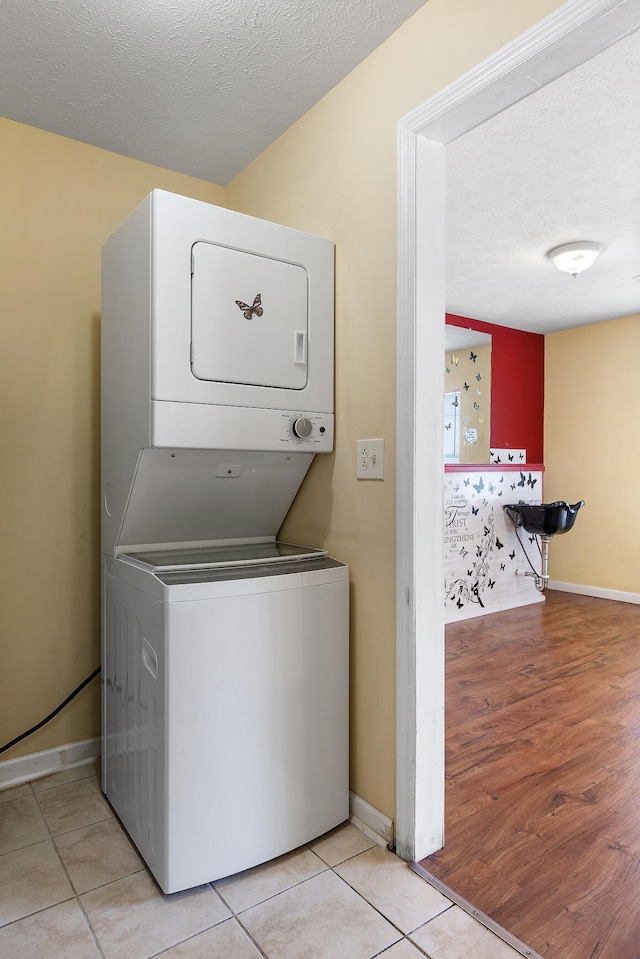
x,y
54,713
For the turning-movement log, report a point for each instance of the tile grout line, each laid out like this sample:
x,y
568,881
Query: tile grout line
x,y
231,918
471,910
293,885
327,868
68,875
36,912
302,882
250,937
404,935
401,933
419,949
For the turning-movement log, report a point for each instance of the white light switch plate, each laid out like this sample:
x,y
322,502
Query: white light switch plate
x,y
370,459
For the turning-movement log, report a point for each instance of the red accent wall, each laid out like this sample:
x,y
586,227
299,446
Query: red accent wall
x,y
517,386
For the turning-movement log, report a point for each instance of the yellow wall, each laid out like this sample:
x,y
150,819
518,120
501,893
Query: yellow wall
x,y
59,201
334,173
592,407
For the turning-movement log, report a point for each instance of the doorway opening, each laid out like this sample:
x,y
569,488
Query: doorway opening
x,y
569,37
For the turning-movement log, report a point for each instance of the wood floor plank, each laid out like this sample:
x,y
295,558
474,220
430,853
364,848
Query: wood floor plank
x,y
543,774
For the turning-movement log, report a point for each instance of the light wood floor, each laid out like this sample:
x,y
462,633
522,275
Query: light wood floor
x,y
543,774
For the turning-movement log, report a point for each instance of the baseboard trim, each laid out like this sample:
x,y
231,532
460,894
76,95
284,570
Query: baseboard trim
x,y
471,910
370,821
34,765
618,595
472,611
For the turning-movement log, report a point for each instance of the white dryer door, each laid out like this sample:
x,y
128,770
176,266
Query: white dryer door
x,y
249,318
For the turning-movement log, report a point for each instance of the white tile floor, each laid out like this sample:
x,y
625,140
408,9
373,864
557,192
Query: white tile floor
x,y
73,887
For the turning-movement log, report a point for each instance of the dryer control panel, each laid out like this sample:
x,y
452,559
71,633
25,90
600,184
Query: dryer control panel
x,y
311,428
228,427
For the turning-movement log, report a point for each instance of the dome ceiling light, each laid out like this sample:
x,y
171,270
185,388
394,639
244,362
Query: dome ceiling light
x,y
575,257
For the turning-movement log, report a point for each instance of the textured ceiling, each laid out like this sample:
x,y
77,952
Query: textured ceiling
x,y
561,165
197,86
203,86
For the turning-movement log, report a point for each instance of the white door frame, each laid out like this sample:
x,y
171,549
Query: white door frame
x,y
570,36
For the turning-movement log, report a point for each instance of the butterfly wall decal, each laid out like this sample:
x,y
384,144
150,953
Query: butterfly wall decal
x,y
531,482
502,566
466,386
447,426
448,369
512,555
478,487
491,583
498,543
454,359
249,311
474,510
475,405
473,356
522,480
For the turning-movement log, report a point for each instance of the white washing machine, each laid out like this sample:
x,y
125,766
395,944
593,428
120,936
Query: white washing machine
x,y
226,727
225,653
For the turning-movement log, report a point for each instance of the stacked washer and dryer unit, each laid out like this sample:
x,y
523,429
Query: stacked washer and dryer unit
x,y
225,652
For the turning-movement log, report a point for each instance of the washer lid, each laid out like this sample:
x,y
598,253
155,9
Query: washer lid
x,y
181,496
210,557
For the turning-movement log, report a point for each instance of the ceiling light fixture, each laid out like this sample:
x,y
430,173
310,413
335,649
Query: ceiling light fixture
x,y
573,258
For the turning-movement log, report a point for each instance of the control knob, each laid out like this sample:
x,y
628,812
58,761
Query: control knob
x,y
302,427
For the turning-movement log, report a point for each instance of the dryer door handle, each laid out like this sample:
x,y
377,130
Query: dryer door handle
x,y
299,347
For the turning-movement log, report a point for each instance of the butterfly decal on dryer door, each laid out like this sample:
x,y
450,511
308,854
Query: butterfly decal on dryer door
x,y
255,309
